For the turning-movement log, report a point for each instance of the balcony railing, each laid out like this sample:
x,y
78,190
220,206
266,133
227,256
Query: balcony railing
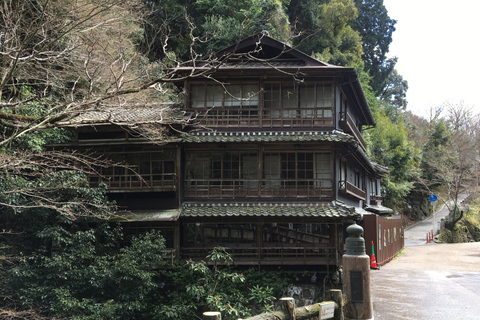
x,y
269,118
271,255
241,188
349,188
132,182
374,199
347,124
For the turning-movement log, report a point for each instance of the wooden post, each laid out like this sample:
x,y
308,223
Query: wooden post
x,y
302,313
288,306
212,315
336,296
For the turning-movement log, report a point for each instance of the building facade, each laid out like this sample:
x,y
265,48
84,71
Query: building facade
x,y
273,170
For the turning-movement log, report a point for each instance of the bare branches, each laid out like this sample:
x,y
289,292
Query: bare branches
x,y
51,180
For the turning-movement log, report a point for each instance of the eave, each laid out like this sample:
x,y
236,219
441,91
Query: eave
x,y
327,210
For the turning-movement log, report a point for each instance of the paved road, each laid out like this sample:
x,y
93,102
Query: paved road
x,y
417,234
434,281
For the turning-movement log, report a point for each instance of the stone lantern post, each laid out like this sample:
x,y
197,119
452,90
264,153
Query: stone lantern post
x,y
356,276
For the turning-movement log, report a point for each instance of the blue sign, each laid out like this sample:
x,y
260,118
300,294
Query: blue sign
x,y
433,198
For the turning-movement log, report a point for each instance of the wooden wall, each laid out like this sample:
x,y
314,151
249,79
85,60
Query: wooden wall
x,y
387,235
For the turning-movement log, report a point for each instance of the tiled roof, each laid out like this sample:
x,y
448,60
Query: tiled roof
x,y
148,215
268,136
333,209
131,114
379,169
378,209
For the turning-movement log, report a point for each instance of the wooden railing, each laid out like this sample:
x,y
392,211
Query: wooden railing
x,y
133,182
348,125
374,199
242,188
246,118
352,190
317,255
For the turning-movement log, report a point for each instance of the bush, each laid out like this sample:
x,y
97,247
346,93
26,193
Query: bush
x,y
458,235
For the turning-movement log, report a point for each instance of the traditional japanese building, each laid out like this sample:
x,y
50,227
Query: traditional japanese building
x,y
274,169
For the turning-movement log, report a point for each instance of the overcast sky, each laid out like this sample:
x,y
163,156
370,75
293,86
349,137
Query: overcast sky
x,y
437,43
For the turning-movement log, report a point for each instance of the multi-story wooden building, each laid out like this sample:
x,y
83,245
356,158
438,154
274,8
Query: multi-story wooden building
x,y
276,173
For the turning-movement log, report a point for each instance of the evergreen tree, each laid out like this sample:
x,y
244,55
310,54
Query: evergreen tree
x,y
376,29
329,36
389,146
395,90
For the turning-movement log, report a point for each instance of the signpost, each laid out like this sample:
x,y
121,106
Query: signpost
x,y
327,309
434,198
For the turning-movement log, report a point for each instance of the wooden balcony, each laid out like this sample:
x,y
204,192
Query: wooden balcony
x,y
136,183
324,255
348,125
270,118
242,188
374,199
350,189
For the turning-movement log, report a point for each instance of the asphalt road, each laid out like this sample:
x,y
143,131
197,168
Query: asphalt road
x,y
435,281
416,235
429,281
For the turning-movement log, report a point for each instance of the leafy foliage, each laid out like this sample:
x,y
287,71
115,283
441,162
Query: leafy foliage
x,y
376,29
196,287
390,147
74,271
331,38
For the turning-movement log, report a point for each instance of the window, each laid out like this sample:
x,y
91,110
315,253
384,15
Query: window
x,y
373,187
323,170
207,234
343,174
284,103
234,96
139,170
307,101
297,169
358,180
248,174
222,168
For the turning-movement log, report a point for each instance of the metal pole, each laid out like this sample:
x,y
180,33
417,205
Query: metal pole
x,y
434,225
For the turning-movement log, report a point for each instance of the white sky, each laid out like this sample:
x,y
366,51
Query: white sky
x,y
437,43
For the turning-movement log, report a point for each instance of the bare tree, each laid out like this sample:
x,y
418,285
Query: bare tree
x,y
75,63
456,162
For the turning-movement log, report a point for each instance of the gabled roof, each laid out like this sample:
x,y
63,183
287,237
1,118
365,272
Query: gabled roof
x,y
261,46
261,54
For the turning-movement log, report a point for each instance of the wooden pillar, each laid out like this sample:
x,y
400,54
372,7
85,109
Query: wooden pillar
x,y
212,315
288,306
259,239
176,239
337,297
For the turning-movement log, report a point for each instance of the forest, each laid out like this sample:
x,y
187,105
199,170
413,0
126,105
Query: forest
x,y
63,58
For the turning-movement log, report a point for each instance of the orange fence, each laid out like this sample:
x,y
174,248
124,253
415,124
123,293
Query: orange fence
x,y
387,235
